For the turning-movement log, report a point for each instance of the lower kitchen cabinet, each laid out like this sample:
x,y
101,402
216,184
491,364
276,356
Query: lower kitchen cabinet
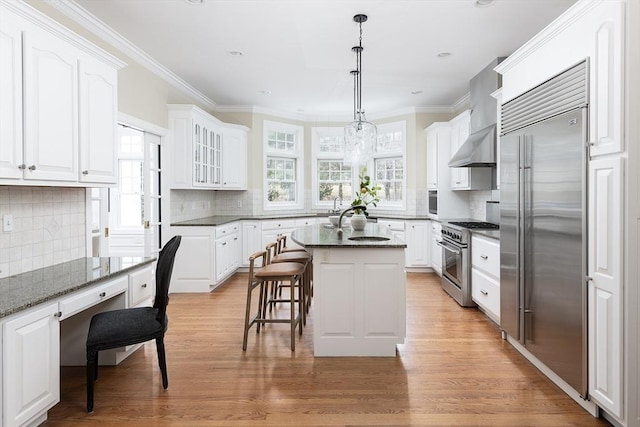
x,y
485,275
251,241
31,366
418,243
227,251
194,266
436,249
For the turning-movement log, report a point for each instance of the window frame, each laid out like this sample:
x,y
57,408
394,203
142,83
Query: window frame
x,y
317,155
297,155
400,153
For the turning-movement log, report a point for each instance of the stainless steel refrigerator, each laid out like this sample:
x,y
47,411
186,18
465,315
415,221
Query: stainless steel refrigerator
x,y
543,169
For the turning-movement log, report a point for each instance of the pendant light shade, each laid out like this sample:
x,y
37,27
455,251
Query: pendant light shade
x,y
360,136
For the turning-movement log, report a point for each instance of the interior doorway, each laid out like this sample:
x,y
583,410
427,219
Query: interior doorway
x,y
126,219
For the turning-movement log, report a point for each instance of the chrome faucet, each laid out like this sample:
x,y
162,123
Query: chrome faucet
x,y
352,208
335,207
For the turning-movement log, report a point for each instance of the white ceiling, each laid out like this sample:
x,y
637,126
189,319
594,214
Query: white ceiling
x,y
300,50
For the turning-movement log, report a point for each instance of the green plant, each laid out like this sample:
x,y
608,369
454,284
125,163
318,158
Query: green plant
x,y
367,194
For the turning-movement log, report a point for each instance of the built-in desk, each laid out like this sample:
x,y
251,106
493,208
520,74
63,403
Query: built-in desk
x,y
44,318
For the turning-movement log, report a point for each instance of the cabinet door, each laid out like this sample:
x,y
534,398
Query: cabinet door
x,y
234,163
432,160
31,367
194,267
417,243
251,241
605,287
214,158
51,107
222,256
606,79
459,134
141,286
98,119
11,98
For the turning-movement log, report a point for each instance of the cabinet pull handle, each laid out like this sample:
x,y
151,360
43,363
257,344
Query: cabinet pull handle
x,y
85,172
484,256
103,294
235,238
458,182
224,244
144,285
32,167
22,166
483,292
57,314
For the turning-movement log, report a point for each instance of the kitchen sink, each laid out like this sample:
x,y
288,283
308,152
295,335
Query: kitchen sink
x,y
369,238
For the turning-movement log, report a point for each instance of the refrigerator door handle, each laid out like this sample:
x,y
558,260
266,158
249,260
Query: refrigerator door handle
x,y
520,239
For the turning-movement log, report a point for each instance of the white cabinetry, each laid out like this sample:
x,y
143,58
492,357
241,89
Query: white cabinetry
x,y
234,156
228,249
485,275
251,240
31,366
436,249
271,229
396,227
477,178
437,138
98,118
605,293
202,158
418,243
62,91
194,266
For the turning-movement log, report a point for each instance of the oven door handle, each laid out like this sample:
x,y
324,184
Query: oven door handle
x,y
449,248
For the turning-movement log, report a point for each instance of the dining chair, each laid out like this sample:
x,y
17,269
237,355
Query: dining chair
x,y
119,328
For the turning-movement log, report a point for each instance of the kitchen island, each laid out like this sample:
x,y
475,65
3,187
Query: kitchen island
x,y
359,290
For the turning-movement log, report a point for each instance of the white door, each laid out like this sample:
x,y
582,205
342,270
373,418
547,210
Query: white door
x,y
152,195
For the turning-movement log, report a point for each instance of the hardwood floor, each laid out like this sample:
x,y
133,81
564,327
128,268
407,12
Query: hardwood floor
x,y
454,369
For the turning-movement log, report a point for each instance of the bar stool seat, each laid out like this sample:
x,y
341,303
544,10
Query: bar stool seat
x,y
292,272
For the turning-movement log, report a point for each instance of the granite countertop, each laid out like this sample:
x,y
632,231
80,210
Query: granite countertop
x,y
35,287
324,236
225,219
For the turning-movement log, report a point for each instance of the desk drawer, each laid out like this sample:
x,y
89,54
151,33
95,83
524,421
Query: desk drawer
x,y
92,296
141,286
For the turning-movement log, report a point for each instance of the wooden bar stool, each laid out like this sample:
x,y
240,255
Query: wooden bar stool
x,y
291,272
282,247
296,256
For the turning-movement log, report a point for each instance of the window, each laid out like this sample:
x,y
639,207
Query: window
x,y
389,165
333,178
283,148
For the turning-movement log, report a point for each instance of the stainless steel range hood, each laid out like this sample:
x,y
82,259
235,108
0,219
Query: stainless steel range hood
x,y
480,148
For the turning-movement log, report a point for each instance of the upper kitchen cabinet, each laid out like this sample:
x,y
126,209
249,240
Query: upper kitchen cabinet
x,y
206,153
476,178
59,103
438,135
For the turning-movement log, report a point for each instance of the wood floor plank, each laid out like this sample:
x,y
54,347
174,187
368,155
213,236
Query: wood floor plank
x,y
454,369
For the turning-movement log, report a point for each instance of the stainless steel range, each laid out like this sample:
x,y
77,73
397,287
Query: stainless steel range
x,y
456,262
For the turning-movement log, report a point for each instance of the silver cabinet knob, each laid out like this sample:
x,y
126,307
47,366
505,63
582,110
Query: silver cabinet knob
x,y
484,256
85,172
103,294
22,166
483,292
144,285
32,167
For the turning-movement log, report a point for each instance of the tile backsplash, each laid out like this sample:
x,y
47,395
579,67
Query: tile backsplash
x,y
48,227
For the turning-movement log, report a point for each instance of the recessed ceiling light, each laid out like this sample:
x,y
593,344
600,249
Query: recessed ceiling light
x,y
195,1
265,92
416,92
484,3
443,54
234,53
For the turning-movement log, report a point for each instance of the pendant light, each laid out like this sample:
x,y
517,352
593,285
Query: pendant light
x,y
360,136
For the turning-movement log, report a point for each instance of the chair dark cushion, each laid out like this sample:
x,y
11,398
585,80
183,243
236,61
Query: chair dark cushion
x,y
118,328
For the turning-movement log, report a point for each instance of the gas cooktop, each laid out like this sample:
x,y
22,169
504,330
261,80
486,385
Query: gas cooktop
x,y
475,225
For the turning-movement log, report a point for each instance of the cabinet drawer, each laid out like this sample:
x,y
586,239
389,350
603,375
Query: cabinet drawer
x,y
95,295
485,255
306,221
227,229
392,225
141,286
486,292
279,224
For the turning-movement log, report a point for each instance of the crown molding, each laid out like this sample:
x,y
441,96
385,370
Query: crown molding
x,y
463,101
81,16
560,24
